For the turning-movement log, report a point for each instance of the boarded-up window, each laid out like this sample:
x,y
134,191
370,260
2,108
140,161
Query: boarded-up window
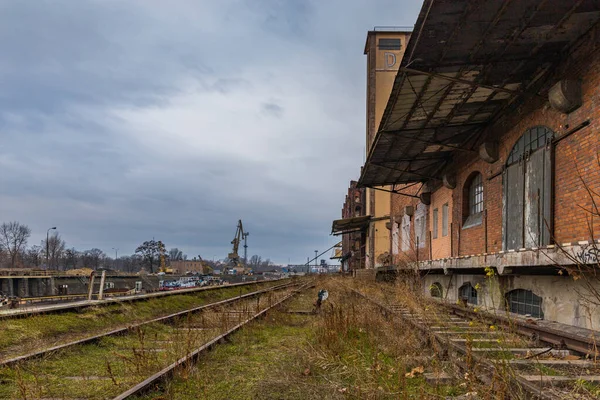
x,y
468,293
420,225
405,233
434,234
395,238
527,187
445,220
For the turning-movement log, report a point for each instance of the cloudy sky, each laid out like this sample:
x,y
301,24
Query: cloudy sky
x,y
124,120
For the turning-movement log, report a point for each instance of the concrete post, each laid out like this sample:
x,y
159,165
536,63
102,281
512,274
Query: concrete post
x,y
53,290
101,291
11,287
25,287
91,288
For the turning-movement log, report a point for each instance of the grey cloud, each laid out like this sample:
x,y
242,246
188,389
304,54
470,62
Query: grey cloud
x,y
272,109
96,97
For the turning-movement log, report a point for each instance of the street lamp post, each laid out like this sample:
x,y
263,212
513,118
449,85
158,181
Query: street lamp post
x,y
47,246
116,256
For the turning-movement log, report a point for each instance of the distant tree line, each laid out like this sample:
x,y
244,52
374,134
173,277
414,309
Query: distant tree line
x,y
16,253
151,255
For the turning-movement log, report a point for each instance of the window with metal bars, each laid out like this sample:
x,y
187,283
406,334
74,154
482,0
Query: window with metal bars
x,y
390,44
524,302
468,293
476,195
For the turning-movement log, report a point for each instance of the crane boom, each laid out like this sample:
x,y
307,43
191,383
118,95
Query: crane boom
x,y
239,233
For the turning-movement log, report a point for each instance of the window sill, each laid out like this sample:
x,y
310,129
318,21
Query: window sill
x,y
473,220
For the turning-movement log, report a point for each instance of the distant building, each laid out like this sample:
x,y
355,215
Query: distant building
x,y
184,266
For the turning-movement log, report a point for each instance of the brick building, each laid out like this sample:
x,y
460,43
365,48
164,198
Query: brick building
x,y
184,266
384,49
491,139
353,226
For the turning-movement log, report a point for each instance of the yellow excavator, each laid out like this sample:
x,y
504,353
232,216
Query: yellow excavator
x,y
163,265
234,258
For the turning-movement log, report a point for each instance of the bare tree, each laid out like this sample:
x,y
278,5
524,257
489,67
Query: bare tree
x,y
175,254
70,258
13,239
56,248
3,257
92,258
254,261
33,256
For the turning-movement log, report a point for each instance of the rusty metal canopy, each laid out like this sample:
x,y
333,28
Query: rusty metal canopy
x,y
467,62
349,225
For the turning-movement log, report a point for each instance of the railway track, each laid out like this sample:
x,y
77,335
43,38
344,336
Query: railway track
x,y
518,360
129,361
66,306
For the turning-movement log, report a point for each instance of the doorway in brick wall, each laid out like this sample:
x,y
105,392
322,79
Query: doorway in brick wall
x,y
527,191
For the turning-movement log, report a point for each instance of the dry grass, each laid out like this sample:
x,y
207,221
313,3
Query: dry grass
x,y
348,350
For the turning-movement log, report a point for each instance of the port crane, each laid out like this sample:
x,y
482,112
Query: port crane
x,y
234,256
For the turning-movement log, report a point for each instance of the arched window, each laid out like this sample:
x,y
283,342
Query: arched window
x,y
473,200
524,302
468,293
527,190
531,140
357,211
476,195
435,290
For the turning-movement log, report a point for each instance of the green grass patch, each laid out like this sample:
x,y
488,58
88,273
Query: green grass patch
x,y
28,334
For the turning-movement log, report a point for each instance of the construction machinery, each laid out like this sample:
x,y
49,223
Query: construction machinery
x,y
234,258
162,251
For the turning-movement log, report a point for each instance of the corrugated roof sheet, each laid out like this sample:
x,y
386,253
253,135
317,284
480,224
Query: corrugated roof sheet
x,y
466,62
347,225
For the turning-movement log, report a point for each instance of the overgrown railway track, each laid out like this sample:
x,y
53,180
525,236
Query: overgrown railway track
x,y
128,361
516,359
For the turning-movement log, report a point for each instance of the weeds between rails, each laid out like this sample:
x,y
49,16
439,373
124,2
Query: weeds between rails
x,y
492,360
26,335
106,368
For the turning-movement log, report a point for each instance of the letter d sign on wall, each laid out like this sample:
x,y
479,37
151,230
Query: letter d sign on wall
x,y
390,60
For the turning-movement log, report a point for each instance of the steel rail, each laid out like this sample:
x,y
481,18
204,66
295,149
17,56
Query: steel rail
x,y
65,307
517,383
193,356
12,361
566,340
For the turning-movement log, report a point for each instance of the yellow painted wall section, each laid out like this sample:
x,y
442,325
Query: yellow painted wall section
x,y
382,70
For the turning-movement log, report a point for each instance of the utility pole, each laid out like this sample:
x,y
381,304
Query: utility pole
x,y
47,247
245,237
316,256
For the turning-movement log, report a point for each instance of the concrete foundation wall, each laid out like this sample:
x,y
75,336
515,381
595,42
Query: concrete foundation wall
x,y
564,299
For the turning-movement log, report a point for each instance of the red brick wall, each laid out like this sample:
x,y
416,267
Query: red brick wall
x,y
355,241
578,152
577,155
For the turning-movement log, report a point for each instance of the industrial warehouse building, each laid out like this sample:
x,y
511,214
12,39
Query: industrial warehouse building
x,y
489,143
